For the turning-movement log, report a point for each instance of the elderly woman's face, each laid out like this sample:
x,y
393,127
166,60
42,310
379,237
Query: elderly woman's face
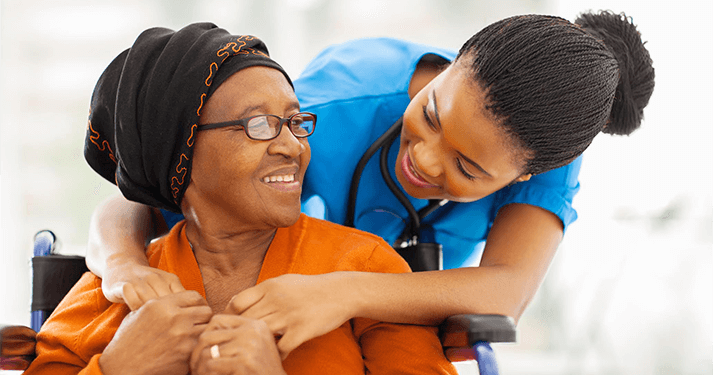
x,y
254,183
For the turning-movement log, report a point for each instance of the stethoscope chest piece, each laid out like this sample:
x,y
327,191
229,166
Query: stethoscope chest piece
x,y
421,256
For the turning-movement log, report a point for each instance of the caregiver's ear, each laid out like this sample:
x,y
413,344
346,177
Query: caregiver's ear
x,y
523,178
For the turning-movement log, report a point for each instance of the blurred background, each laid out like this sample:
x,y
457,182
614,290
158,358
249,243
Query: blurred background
x,y
631,288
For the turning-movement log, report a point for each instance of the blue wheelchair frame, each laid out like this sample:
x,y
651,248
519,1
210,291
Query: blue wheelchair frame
x,y
44,245
53,276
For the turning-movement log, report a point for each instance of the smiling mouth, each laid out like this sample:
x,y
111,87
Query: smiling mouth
x,y
286,178
283,182
412,176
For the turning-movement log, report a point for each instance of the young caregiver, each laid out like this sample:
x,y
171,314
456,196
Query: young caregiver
x,y
496,130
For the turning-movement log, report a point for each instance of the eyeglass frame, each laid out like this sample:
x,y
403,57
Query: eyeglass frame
x,y
244,122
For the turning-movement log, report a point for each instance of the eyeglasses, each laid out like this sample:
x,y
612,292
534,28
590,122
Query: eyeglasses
x,y
267,127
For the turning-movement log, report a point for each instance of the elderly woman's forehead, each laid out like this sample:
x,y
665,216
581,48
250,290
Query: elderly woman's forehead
x,y
257,76
254,88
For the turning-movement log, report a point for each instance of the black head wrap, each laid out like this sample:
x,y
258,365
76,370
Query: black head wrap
x,y
145,107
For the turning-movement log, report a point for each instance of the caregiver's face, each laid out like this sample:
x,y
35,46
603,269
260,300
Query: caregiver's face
x,y
256,183
450,147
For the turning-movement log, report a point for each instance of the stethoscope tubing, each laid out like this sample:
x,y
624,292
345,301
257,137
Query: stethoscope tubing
x,y
356,176
384,142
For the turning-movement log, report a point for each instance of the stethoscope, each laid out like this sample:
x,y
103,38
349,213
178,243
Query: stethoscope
x,y
407,244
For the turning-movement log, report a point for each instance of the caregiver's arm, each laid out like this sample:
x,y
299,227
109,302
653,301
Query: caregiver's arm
x,y
519,250
118,233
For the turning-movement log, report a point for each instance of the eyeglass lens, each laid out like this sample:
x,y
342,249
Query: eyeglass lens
x,y
267,127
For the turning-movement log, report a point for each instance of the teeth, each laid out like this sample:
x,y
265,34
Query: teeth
x,y
413,170
283,178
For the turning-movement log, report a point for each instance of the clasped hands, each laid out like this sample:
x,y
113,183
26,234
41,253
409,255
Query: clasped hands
x,y
171,330
178,333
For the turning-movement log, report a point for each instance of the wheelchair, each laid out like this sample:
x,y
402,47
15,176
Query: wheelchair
x,y
464,337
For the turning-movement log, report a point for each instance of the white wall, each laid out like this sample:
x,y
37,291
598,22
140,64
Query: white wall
x,y
631,290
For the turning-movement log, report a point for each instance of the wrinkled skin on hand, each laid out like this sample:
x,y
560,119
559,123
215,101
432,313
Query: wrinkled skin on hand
x,y
159,337
246,346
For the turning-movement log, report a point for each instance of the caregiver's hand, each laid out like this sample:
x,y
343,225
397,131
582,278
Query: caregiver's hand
x,y
235,345
159,337
297,307
135,285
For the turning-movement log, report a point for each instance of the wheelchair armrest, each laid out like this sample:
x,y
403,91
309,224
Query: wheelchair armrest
x,y
17,347
460,333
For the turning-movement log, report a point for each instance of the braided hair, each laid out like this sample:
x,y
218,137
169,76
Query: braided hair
x,y
554,85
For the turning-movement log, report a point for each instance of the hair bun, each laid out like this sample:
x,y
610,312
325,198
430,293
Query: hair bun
x,y
636,71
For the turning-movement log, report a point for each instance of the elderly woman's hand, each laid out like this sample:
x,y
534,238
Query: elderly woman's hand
x,y
159,337
297,307
235,345
135,285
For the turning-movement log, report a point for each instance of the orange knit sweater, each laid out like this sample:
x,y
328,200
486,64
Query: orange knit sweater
x,y
73,338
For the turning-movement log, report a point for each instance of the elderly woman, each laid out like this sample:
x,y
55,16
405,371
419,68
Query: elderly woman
x,y
205,123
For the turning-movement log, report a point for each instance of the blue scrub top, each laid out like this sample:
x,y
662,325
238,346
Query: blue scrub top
x,y
358,89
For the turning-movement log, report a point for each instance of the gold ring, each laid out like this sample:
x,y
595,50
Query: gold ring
x,y
215,351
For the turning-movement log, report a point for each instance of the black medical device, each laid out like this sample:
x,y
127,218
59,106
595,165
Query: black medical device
x,y
421,256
